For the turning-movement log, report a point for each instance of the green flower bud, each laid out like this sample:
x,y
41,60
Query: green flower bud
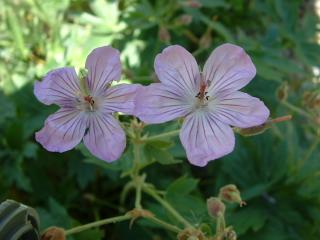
x,y
164,34
216,207
251,131
230,193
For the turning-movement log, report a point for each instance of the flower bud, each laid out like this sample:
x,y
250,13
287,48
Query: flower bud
x,y
185,19
230,234
164,34
53,233
216,207
251,131
193,4
282,92
191,234
230,193
205,40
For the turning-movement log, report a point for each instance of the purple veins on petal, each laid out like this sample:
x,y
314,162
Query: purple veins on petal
x,y
206,138
177,68
63,130
105,138
103,66
120,98
158,103
59,87
239,109
229,67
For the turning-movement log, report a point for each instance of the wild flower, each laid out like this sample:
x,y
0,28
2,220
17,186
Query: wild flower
x,y
86,106
209,101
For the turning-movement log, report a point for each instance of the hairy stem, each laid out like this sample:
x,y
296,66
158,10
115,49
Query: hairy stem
x,y
167,206
164,224
97,224
163,135
138,194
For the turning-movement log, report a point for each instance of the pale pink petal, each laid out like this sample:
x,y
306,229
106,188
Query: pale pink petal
x,y
177,68
228,68
59,86
103,66
205,138
240,109
105,138
63,130
120,98
158,103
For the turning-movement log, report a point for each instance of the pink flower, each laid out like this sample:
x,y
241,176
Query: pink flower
x,y
86,106
209,100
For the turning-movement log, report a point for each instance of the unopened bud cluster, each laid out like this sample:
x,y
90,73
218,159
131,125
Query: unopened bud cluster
x,y
216,210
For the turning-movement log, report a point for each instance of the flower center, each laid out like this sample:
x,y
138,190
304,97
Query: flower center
x,y
202,95
89,103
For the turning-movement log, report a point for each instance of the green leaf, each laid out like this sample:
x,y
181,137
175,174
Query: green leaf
x,y
84,172
159,155
163,144
182,186
55,215
247,218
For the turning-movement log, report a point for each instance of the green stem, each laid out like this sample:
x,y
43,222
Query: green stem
x,y
165,224
138,196
296,109
167,206
221,225
97,224
138,179
163,135
136,159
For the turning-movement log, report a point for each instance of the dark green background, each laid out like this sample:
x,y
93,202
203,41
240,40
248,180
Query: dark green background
x,y
278,172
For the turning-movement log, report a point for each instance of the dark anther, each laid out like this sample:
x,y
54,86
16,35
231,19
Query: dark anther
x,y
207,97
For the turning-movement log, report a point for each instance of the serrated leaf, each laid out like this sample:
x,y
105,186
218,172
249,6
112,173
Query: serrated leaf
x,y
159,155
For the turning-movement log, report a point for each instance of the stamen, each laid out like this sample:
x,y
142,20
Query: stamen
x,y
202,94
90,101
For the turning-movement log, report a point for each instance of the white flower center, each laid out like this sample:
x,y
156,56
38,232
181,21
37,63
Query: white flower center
x,y
87,103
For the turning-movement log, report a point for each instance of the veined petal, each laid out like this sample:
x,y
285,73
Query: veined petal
x,y
158,103
103,66
205,138
228,68
240,110
59,86
63,130
120,98
105,138
177,68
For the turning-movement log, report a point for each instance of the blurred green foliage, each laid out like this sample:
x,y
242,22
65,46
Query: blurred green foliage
x,y
277,172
